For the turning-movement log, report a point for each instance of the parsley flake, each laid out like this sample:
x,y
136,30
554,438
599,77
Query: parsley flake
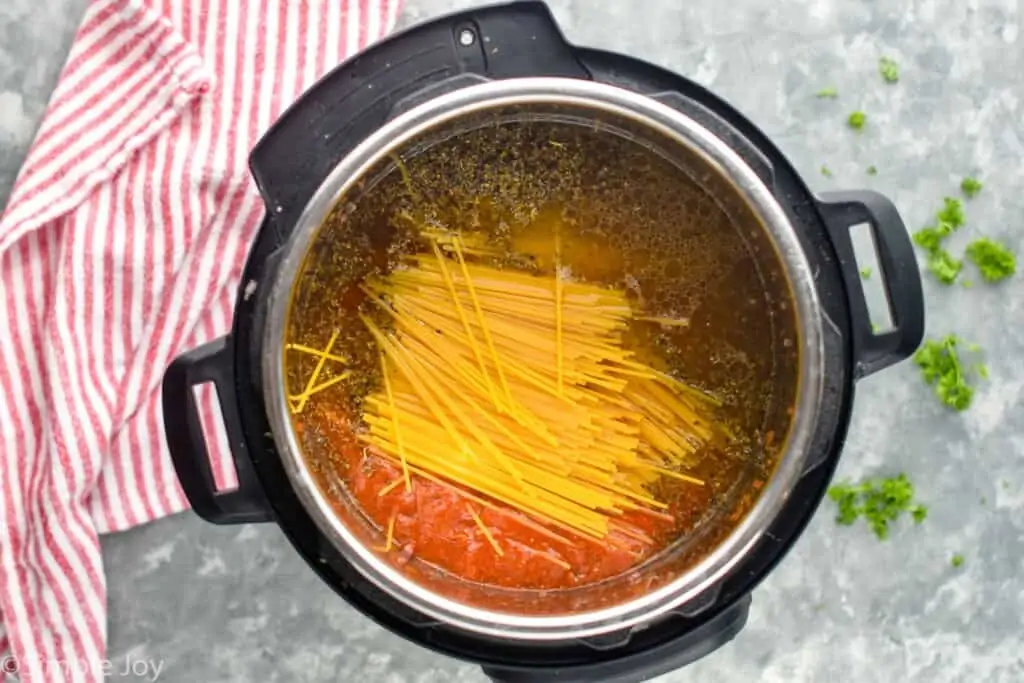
x,y
970,187
943,266
952,212
880,501
941,367
889,69
941,263
995,261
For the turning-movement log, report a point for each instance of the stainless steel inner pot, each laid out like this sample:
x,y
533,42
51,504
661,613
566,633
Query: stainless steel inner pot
x,y
663,589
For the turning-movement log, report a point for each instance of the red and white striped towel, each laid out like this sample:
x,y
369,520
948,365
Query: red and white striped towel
x,y
121,247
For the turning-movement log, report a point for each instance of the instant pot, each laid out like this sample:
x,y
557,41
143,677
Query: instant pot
x,y
469,66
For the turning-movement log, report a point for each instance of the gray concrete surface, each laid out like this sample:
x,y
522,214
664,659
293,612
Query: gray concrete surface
x,y
234,604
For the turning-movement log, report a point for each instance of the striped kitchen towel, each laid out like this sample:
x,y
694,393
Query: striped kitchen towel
x,y
121,247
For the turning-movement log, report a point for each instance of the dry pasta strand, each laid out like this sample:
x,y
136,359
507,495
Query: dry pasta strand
x,y
326,384
316,372
465,321
482,320
558,311
394,421
390,538
391,487
485,530
317,352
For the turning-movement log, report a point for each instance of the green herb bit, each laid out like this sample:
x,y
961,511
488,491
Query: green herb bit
x,y
889,69
827,93
942,368
930,238
857,119
995,261
957,560
872,170
967,284
940,262
970,187
847,498
943,266
879,501
865,273
952,212
919,513
826,171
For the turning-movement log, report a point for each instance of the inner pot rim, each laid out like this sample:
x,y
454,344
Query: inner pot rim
x,y
678,129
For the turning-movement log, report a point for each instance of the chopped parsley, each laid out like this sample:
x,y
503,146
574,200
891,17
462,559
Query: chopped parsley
x,y
826,171
957,560
952,212
865,273
995,261
856,120
941,367
943,266
872,170
930,238
889,69
827,93
941,263
970,187
880,501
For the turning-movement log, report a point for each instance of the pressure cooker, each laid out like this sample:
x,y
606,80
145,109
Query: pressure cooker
x,y
462,71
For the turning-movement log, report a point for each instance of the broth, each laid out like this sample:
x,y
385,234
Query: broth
x,y
627,218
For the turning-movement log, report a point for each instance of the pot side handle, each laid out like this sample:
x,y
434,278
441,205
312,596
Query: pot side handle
x,y
901,277
211,363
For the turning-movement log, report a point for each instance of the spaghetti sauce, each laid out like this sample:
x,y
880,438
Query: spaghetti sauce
x,y
435,523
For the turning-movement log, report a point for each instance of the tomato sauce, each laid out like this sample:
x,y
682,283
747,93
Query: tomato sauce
x,y
434,523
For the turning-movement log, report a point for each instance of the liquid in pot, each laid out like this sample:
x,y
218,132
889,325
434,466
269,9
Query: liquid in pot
x,y
708,308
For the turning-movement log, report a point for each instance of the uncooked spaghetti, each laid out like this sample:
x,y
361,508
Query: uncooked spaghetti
x,y
519,388
540,316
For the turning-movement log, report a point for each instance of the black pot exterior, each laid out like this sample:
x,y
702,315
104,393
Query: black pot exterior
x,y
340,111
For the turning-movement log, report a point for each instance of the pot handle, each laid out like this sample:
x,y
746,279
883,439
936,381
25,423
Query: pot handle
x,y
644,665
213,363
900,275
